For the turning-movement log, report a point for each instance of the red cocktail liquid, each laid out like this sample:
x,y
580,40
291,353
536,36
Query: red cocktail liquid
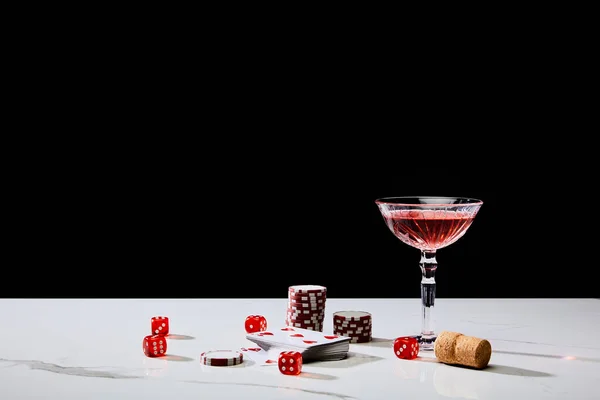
x,y
428,229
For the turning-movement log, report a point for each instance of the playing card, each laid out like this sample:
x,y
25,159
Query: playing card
x,y
259,355
313,345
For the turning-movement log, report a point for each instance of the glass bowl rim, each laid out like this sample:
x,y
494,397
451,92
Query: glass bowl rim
x,y
468,201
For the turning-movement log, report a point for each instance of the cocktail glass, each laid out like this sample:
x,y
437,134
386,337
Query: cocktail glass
x,y
428,223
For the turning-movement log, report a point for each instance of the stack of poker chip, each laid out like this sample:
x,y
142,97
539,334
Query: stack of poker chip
x,y
306,307
357,325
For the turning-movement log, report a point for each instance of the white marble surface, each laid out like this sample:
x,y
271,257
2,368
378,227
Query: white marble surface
x,y
91,349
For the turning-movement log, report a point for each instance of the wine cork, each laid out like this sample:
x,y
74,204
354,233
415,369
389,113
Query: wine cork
x,y
456,348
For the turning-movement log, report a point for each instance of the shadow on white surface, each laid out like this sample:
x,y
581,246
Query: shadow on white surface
x,y
179,337
493,368
245,364
430,358
570,358
316,375
174,357
352,360
376,342
506,370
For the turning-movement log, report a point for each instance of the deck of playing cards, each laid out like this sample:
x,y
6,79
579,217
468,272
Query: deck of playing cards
x,y
314,345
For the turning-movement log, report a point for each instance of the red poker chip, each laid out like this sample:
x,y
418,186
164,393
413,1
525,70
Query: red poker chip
x,y
320,317
351,316
317,293
365,321
361,336
299,304
360,340
352,333
221,358
293,321
311,289
310,328
365,329
356,329
307,299
307,296
302,316
296,308
306,306
310,306
308,320
352,323
306,312
303,325
352,330
340,320
352,326
304,321
305,316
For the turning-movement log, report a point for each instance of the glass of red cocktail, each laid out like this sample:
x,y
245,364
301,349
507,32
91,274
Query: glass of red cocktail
x,y
428,223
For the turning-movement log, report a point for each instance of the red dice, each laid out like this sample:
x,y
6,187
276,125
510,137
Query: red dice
x,y
160,326
255,323
154,346
290,362
406,347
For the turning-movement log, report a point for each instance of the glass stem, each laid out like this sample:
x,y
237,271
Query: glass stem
x,y
428,266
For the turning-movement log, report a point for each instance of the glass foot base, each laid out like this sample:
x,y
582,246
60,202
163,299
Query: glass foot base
x,y
426,343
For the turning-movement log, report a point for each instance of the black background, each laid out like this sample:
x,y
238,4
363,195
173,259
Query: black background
x,y
239,174
252,225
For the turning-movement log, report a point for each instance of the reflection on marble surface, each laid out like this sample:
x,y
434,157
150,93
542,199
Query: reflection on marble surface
x,y
280,389
76,371
448,382
557,356
353,359
89,349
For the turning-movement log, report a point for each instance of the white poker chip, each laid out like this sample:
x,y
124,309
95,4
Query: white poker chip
x,y
221,358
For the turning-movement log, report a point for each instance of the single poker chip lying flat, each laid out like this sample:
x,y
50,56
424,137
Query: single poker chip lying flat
x,y
221,358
